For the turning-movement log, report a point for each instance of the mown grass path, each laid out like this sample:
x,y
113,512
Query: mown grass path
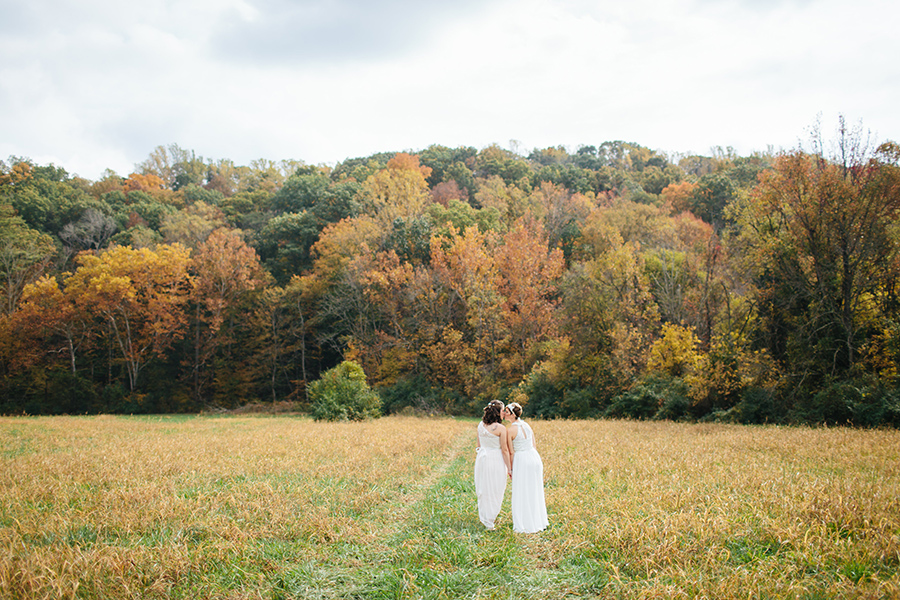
x,y
283,507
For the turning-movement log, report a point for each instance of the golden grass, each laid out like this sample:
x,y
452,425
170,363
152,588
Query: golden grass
x,y
125,505
718,508
100,507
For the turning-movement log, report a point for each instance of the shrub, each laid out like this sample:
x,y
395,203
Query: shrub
x,y
543,396
417,395
757,406
876,405
831,405
342,394
579,403
861,402
675,404
656,396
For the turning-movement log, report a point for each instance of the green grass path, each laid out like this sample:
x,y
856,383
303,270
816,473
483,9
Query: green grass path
x,y
433,546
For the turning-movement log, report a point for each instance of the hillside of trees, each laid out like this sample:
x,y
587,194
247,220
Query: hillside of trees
x,y
612,281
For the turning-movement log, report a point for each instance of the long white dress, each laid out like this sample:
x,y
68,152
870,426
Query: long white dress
x,y
490,476
529,510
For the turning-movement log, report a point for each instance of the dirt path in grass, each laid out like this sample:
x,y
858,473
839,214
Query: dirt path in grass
x,y
413,496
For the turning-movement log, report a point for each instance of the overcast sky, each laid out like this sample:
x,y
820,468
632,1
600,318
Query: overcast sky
x,y
98,84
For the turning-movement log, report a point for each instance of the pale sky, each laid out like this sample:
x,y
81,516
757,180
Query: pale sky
x,y
98,84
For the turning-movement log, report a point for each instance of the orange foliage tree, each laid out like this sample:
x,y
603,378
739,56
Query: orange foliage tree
x,y
49,315
225,270
529,272
819,232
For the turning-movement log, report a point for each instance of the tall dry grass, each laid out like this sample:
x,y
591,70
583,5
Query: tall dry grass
x,y
261,506
131,507
679,510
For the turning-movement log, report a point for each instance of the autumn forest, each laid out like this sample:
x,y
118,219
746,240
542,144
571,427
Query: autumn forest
x,y
612,280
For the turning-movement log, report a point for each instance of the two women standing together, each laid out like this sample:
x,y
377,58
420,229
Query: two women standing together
x,y
506,452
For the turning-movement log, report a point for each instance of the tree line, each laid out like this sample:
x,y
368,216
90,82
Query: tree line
x,y
612,281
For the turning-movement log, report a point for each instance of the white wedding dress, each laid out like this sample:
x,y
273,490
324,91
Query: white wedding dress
x,y
490,476
529,511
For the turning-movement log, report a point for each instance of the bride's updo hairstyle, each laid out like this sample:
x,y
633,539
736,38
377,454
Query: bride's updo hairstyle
x,y
515,408
492,412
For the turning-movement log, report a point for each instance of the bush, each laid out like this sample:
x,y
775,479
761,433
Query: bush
x,y
757,406
579,403
860,402
640,402
113,399
417,395
891,403
675,404
568,399
342,394
876,405
656,396
543,396
831,405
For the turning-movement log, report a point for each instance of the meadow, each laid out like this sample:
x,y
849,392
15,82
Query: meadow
x,y
285,507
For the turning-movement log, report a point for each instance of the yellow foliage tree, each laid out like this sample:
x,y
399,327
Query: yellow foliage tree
x,y
140,295
675,353
340,243
398,191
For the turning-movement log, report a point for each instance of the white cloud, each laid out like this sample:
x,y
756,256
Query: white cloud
x,y
101,84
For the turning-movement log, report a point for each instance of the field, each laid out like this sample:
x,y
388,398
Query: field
x,y
284,507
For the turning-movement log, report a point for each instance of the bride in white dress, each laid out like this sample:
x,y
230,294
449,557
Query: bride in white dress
x,y
529,510
492,463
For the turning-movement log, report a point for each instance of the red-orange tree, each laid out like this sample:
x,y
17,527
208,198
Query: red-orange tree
x,y
529,273
225,271
47,317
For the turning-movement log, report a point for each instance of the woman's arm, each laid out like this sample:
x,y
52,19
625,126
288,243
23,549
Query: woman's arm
x,y
511,435
504,448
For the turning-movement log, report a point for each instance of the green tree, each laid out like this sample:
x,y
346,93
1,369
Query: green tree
x,y
818,230
285,243
495,161
713,193
328,201
342,394
191,225
24,256
449,164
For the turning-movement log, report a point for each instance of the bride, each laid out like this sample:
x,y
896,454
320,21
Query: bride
x,y
492,463
529,511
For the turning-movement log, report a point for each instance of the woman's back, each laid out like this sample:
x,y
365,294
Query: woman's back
x,y
528,507
491,468
524,438
487,439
